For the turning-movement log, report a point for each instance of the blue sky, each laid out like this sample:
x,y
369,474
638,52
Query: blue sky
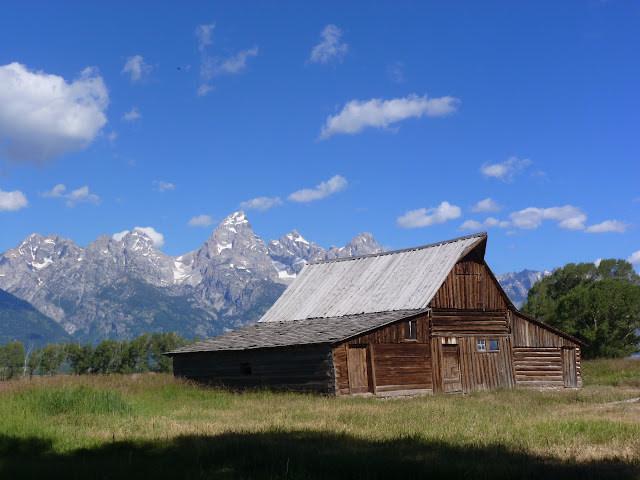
x,y
417,122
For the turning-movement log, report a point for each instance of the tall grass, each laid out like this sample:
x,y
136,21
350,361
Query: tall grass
x,y
156,425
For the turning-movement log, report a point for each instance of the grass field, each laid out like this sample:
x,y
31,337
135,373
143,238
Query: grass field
x,y
155,426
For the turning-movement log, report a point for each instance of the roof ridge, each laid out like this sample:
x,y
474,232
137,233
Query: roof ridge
x,y
411,249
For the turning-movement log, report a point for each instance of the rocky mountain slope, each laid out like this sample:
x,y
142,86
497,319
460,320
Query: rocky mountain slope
x,y
19,320
119,289
517,284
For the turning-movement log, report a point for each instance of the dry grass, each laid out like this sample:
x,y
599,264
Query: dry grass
x,y
556,432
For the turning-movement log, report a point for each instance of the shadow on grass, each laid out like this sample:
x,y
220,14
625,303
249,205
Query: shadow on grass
x,y
297,454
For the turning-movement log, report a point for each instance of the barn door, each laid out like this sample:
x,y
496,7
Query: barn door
x,y
569,371
451,368
358,371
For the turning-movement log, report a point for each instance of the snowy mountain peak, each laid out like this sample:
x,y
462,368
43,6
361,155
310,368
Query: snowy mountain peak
x,y
235,219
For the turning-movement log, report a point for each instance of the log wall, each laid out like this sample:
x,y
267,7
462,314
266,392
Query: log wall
x,y
292,368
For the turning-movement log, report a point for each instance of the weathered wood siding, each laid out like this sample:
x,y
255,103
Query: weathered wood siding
x,y
396,364
528,334
459,322
291,368
538,367
469,286
478,370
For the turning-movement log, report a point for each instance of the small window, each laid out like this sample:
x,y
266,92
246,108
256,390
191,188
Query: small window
x,y
411,330
482,345
493,346
245,368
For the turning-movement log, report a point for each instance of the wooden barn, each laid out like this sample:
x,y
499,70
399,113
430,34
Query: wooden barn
x,y
420,320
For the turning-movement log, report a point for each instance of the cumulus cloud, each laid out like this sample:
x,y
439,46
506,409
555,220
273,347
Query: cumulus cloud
x,y
163,186
137,68
614,226
203,33
261,203
634,259
235,63
567,217
201,221
11,201
212,66
42,116
156,237
333,185
133,114
330,47
396,72
424,217
486,205
507,170
357,115
80,195
488,223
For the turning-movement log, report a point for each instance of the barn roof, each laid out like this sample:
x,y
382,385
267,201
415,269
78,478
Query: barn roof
x,y
311,331
399,280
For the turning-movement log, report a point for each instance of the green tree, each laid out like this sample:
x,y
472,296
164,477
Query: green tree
x,y
12,357
34,361
107,356
135,356
597,304
52,358
79,358
161,343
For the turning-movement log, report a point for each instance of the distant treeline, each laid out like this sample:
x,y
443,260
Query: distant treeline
x,y
142,354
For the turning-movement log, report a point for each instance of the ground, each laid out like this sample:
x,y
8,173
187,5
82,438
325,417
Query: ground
x,y
155,426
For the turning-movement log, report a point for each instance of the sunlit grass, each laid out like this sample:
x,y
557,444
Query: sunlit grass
x,y
65,415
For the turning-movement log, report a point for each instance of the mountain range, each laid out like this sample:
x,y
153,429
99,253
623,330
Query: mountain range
x,y
122,288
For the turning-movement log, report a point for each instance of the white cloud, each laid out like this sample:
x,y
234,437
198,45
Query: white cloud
x,y
156,237
201,221
163,186
331,186
568,217
506,170
234,63
634,259
136,67
423,217
615,226
357,115
486,205
42,116
11,201
330,47
488,223
261,203
396,72
79,195
204,89
203,32
597,262
132,114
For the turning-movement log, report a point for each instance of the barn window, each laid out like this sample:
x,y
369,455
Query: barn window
x,y
482,345
411,330
245,368
493,346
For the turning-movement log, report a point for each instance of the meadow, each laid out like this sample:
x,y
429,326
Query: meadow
x,y
156,426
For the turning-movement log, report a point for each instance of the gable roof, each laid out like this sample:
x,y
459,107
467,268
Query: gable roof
x,y
303,332
391,281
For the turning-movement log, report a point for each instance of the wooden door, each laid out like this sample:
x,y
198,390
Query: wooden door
x,y
451,368
358,371
569,370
